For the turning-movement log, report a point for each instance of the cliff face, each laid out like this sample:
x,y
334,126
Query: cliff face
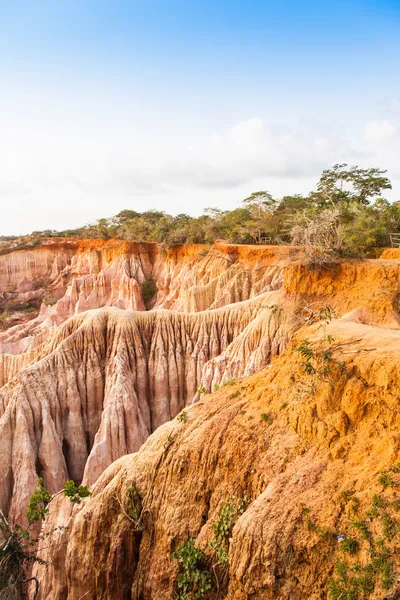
x,y
110,378
62,278
308,472
80,387
126,339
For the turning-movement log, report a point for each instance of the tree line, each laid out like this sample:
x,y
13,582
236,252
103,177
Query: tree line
x,y
347,209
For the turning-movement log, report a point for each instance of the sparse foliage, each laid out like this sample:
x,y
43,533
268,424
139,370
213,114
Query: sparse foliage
x,y
194,578
149,289
19,547
182,417
320,234
365,550
266,418
228,514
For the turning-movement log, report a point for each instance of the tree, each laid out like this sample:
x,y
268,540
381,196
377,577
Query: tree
x,y
343,184
261,206
126,215
320,235
368,183
19,545
354,191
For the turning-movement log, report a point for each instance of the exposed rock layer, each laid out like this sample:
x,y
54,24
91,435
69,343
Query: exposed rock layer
x,y
80,391
314,450
113,377
71,276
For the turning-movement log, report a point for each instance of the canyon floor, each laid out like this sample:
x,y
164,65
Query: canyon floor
x,y
228,397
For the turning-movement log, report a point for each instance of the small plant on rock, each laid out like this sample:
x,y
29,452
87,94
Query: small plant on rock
x,y
266,418
149,288
369,565
228,514
318,364
182,417
350,546
134,507
19,546
194,578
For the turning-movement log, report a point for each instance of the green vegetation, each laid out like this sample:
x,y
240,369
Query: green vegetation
x,y
182,417
149,288
134,507
365,550
350,546
265,417
228,514
346,213
386,480
200,574
318,364
322,532
229,382
18,545
194,579
203,253
12,306
3,318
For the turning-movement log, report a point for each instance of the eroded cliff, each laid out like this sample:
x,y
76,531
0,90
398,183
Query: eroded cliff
x,y
308,472
131,335
81,387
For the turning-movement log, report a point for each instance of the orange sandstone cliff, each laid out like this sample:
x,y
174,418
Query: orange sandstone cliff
x,y
92,375
124,338
310,473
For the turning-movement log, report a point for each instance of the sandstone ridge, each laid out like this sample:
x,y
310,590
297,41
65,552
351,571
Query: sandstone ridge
x,y
82,387
316,453
89,378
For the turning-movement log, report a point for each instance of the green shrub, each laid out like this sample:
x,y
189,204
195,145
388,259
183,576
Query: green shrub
x,y
18,549
228,514
386,480
149,288
378,530
350,546
182,417
194,579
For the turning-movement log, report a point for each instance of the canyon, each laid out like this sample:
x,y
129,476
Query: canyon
x,y
93,373
177,374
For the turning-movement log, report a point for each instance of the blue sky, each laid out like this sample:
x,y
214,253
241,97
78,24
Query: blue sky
x,y
183,105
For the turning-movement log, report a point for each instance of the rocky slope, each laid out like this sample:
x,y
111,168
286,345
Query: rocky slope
x,y
79,392
65,277
308,474
128,338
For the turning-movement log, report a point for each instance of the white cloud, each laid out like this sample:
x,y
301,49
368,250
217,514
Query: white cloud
x,y
252,150
60,175
377,131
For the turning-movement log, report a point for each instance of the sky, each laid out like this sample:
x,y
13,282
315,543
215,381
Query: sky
x,y
180,105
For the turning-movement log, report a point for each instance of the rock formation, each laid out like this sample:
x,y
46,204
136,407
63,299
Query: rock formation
x,y
305,470
125,337
80,389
